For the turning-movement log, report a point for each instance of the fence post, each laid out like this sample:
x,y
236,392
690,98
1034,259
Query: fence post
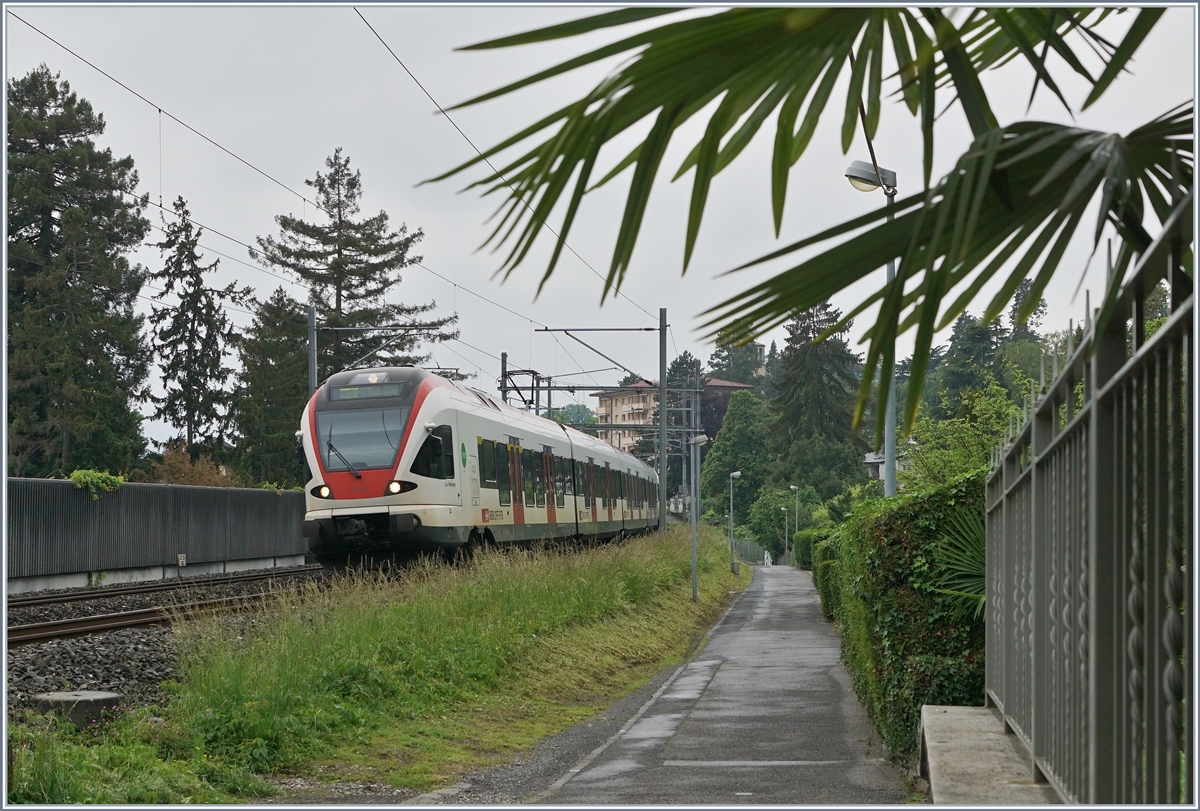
x,y
1104,561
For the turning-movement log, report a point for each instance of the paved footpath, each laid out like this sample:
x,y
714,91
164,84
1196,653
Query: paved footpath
x,y
763,714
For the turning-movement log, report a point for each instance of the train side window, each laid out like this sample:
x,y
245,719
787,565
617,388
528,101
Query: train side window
x,y
560,481
539,476
435,459
487,463
502,477
588,482
608,486
568,476
527,465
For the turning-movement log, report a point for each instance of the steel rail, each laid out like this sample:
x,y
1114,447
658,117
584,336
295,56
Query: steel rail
x,y
21,601
99,623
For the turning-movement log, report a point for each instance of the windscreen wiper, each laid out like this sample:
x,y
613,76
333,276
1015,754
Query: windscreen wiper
x,y
345,461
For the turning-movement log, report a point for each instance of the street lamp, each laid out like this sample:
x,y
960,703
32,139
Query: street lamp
x,y
695,443
737,474
784,509
796,524
869,177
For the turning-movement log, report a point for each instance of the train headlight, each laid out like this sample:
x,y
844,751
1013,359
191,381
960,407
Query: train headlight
x,y
395,487
322,491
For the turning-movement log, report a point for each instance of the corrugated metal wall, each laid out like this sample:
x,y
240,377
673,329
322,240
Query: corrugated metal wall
x,y
54,528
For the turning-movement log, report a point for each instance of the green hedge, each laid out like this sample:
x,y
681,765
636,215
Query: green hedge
x,y
803,542
903,643
826,569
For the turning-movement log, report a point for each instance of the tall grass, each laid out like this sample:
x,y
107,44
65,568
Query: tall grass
x,y
272,690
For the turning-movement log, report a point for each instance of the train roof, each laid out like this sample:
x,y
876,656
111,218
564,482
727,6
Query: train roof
x,y
413,376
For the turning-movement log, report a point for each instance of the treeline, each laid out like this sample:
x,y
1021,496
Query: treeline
x,y
80,357
795,428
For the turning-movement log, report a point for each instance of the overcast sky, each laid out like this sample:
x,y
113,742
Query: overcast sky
x,y
283,86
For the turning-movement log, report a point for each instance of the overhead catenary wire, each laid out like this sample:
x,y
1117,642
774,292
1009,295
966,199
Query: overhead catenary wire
x,y
160,112
442,110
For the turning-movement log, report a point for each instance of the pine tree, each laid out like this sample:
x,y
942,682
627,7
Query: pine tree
x,y
350,265
272,390
740,364
192,338
77,360
818,382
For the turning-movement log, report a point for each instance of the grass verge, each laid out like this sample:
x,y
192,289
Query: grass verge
x,y
408,680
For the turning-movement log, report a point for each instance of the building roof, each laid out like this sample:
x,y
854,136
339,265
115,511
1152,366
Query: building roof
x,y
714,382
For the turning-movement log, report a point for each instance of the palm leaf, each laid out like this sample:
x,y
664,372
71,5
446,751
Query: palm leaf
x,y
943,243
960,558
752,59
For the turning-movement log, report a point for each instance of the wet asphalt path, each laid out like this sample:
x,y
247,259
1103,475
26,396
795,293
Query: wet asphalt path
x,y
763,714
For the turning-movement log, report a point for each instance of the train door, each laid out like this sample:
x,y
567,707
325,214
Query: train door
x,y
591,486
518,490
473,473
551,485
609,490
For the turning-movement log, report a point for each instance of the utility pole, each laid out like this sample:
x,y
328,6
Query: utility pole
x,y
312,349
504,377
662,419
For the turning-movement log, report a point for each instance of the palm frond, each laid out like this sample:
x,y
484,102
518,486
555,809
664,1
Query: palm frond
x,y
755,61
960,233
960,558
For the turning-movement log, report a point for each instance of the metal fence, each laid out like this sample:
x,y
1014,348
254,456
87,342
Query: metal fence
x,y
1089,554
54,528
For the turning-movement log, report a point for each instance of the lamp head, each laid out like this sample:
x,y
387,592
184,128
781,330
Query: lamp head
x,y
737,474
862,176
794,488
700,439
783,509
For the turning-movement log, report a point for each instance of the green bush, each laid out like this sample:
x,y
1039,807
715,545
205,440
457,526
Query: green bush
x,y
826,569
903,642
95,481
803,542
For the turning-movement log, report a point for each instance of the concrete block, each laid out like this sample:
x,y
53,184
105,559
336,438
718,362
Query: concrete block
x,y
77,706
973,761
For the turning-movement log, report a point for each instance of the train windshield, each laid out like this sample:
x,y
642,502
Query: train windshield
x,y
364,439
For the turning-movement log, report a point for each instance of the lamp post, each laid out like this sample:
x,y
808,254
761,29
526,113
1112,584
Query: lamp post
x,y
796,523
737,474
785,544
869,177
695,443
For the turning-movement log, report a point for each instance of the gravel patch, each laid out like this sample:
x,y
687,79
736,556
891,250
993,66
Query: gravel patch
x,y
132,662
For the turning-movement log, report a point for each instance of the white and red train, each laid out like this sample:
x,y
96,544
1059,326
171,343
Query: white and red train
x,y
403,459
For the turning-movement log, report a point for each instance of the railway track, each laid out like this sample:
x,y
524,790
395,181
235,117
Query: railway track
x,y
99,623
18,601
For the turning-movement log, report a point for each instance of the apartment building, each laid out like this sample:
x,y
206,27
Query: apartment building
x,y
636,407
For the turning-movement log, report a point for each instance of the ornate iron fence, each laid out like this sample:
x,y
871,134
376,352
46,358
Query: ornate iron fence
x,y
1089,553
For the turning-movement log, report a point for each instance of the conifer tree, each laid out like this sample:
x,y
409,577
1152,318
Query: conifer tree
x,y
272,390
350,264
77,359
817,381
740,364
192,337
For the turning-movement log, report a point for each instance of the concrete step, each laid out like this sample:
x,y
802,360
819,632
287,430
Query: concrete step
x,y
970,759
78,706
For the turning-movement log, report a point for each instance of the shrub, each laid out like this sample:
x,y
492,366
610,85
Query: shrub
x,y
95,481
903,641
826,569
803,542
